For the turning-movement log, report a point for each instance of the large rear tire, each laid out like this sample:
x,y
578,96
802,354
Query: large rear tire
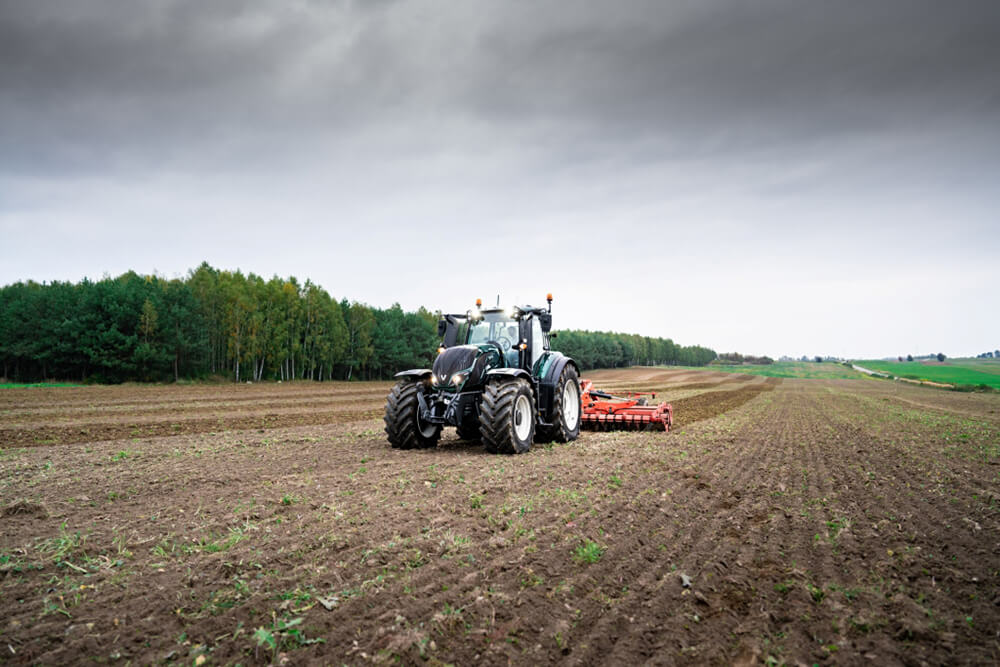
x,y
507,417
566,409
402,419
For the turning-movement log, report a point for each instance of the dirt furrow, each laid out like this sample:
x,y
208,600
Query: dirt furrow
x,y
102,431
135,411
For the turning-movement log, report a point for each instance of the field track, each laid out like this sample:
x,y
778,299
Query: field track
x,y
817,521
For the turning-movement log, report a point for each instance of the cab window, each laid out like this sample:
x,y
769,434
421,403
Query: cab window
x,y
538,340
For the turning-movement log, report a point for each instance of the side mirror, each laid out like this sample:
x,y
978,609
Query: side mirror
x,y
554,334
545,319
442,325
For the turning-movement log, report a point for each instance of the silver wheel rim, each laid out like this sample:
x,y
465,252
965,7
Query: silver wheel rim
x,y
522,417
571,405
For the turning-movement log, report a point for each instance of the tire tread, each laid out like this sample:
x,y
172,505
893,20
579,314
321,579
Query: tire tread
x,y
496,424
558,432
400,419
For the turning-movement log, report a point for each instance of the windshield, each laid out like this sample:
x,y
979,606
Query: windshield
x,y
493,327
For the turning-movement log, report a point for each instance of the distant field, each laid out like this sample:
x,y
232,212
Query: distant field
x,y
952,371
18,385
991,366
792,369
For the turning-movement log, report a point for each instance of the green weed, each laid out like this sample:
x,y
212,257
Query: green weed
x,y
62,547
283,634
588,552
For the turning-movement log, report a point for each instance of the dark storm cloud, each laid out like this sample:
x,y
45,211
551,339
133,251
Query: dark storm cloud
x,y
178,83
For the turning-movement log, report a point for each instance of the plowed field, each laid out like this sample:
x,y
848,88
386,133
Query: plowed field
x,y
794,521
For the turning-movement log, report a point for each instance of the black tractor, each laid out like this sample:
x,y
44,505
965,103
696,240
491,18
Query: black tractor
x,y
495,379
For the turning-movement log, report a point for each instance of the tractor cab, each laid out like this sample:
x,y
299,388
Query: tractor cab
x,y
520,337
497,326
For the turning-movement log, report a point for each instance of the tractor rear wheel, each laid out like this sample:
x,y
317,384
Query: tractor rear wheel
x,y
402,419
507,417
566,409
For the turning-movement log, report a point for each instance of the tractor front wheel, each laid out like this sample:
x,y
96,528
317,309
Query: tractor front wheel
x,y
507,417
402,419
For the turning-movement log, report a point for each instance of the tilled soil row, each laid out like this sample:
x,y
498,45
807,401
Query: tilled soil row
x,y
711,404
166,426
129,394
225,403
219,413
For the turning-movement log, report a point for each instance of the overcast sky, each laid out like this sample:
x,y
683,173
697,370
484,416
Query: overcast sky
x,y
799,177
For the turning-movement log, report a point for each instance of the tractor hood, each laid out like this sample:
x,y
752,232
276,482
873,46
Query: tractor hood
x,y
464,365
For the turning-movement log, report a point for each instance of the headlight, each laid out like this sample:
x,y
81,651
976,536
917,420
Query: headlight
x,y
434,379
458,378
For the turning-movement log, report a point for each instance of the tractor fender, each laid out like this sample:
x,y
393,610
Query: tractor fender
x,y
414,374
507,373
556,369
547,384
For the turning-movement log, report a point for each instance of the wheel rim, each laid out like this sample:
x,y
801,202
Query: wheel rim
x,y
426,428
571,405
522,418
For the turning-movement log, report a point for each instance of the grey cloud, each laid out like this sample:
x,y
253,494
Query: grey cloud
x,y
151,81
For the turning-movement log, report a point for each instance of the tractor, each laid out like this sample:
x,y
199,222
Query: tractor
x,y
495,378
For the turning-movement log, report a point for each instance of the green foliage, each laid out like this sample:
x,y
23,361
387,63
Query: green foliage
x,y
127,328
64,546
599,349
284,634
266,638
243,327
739,359
211,323
588,552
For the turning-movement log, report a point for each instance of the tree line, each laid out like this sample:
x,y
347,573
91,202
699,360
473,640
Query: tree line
x,y
600,349
244,327
735,358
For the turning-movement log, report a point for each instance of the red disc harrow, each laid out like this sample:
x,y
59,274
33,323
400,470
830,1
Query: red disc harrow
x,y
631,412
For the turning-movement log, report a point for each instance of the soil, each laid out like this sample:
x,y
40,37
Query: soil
x,y
795,521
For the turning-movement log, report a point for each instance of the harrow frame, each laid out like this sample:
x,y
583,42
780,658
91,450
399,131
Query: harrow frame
x,y
605,412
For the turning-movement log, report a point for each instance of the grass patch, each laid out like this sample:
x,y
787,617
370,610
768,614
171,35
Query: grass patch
x,y
791,369
970,372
